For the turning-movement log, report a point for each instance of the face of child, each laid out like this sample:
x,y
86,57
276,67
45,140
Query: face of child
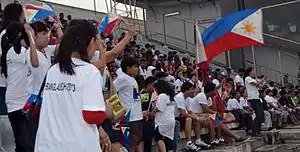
x,y
134,70
42,39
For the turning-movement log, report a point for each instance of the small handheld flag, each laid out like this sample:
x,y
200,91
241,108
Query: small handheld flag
x,y
108,23
34,13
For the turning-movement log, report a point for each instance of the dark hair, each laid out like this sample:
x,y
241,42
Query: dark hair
x,y
11,13
39,27
209,87
233,93
242,70
275,92
248,70
15,32
268,91
186,86
77,38
163,86
128,62
150,80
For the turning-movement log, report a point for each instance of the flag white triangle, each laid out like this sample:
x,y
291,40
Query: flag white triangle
x,y
200,52
123,129
251,27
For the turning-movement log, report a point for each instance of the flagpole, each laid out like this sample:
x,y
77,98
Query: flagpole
x,y
228,59
280,67
95,8
254,61
197,53
280,4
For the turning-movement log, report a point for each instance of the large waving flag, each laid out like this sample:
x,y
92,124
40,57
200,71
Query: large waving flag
x,y
108,23
201,57
34,13
234,31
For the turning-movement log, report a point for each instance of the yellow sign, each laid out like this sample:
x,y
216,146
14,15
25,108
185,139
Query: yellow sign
x,y
116,104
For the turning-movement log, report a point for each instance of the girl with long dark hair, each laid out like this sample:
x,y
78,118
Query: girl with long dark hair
x,y
73,104
17,44
165,116
12,12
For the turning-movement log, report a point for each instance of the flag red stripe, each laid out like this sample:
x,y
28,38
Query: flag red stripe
x,y
110,27
228,42
33,7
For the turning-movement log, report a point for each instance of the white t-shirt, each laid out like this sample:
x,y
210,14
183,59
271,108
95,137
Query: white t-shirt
x,y
217,83
38,74
199,99
233,104
238,79
17,79
252,90
165,118
143,72
128,92
62,127
243,102
180,104
2,77
178,83
271,100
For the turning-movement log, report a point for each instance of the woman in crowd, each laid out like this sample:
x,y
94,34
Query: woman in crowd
x,y
13,12
165,116
252,87
15,43
73,104
235,106
279,114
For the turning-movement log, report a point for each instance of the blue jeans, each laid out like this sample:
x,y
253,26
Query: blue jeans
x,y
176,135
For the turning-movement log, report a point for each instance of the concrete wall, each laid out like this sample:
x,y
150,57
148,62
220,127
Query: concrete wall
x,y
268,62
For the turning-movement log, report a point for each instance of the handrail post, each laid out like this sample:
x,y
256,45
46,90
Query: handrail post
x,y
164,29
185,36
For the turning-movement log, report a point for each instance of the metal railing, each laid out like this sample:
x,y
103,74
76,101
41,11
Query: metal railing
x,y
273,74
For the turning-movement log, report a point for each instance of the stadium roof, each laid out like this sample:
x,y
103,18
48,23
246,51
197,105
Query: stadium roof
x,y
142,3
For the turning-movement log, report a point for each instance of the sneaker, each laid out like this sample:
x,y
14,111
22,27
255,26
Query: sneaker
x,y
202,144
190,146
222,140
215,142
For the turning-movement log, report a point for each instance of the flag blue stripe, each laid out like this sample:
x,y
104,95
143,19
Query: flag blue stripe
x,y
103,24
224,25
42,14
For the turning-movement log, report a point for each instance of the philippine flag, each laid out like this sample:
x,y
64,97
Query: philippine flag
x,y
34,13
108,23
234,31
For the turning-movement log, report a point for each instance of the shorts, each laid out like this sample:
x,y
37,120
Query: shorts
x,y
181,121
168,142
136,133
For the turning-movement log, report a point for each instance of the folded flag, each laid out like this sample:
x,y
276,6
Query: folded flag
x,y
33,104
34,13
234,31
108,23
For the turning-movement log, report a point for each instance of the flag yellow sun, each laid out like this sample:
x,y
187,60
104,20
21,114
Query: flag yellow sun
x,y
248,27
